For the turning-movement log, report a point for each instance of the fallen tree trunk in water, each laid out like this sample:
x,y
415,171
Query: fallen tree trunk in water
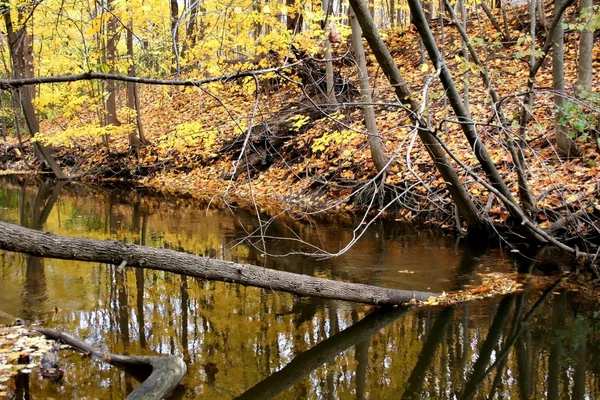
x,y
165,372
24,240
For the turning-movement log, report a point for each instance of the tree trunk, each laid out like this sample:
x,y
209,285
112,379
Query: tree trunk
x,y
458,192
328,61
16,238
541,14
190,31
527,200
175,36
465,51
586,49
378,156
132,99
457,104
24,95
564,143
493,19
111,46
505,21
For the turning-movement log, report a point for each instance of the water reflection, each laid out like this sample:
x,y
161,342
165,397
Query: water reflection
x,y
253,343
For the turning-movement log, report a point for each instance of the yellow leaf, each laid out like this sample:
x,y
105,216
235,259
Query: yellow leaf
x,y
424,68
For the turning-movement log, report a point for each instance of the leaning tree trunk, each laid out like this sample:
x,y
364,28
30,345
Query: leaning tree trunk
x,y
468,127
458,192
16,238
378,156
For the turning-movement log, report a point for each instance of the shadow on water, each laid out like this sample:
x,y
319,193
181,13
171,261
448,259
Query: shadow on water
x,y
250,343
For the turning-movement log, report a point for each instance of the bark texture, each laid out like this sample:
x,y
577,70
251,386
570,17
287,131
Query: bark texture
x,y
17,238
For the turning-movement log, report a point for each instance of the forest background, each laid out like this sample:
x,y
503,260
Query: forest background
x,y
472,116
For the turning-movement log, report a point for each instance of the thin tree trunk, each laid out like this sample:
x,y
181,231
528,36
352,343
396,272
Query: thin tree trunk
x,y
586,49
463,13
457,104
564,143
132,96
541,14
458,192
380,160
175,67
20,239
191,28
24,95
493,19
527,200
331,97
111,46
505,21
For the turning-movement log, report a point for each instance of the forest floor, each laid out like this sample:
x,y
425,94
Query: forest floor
x,y
323,165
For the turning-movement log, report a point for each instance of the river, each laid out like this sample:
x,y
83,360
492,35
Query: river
x,y
254,343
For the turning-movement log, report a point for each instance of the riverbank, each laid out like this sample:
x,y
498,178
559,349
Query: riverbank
x,y
323,165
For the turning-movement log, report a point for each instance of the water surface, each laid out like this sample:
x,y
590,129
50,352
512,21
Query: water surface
x,y
255,343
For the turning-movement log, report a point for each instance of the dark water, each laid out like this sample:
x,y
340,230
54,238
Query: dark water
x,y
255,343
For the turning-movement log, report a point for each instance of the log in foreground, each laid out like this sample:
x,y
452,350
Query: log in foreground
x,y
165,372
25,240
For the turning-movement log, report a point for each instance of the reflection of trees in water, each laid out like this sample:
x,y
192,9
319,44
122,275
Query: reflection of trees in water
x,y
34,215
235,338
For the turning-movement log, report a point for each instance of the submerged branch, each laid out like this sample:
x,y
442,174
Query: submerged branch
x,y
165,371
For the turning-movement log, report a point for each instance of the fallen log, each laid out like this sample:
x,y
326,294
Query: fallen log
x,y
25,240
165,372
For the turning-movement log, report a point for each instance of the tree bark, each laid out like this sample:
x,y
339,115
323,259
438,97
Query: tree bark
x,y
586,49
458,192
20,239
165,372
564,143
378,156
111,48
